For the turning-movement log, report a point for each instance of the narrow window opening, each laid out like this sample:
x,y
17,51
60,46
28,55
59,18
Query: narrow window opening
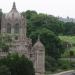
x,y
8,28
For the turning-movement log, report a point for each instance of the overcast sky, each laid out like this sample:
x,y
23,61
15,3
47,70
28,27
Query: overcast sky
x,y
61,8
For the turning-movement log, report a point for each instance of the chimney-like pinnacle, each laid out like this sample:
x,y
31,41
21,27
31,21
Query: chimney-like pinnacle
x,y
14,5
38,37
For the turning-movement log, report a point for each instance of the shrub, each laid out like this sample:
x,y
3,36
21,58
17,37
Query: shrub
x,y
18,65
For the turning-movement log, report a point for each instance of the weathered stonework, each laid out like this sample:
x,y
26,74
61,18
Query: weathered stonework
x,y
14,24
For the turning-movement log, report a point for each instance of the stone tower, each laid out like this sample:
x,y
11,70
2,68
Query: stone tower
x,y
14,25
39,55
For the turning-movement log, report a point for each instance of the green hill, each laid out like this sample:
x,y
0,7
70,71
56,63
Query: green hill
x,y
70,40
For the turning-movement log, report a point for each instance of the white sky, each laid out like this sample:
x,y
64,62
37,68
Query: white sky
x,y
61,8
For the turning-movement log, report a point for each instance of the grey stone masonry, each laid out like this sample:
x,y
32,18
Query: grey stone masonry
x,y
14,25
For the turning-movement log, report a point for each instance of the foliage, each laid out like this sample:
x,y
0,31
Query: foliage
x,y
29,14
64,65
69,28
36,21
51,64
47,27
5,41
53,45
18,65
70,45
71,53
69,39
4,70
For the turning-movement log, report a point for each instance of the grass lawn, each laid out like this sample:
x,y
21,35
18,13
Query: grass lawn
x,y
71,40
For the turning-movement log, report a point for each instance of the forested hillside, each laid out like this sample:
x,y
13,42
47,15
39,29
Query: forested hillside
x,y
49,28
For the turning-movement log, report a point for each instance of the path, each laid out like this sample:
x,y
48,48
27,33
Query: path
x,y
71,72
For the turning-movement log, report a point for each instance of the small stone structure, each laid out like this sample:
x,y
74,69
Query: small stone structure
x,y
14,24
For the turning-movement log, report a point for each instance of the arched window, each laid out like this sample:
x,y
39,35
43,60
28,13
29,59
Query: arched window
x,y
8,28
16,28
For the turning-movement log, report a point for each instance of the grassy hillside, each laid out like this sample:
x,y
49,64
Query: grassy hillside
x,y
70,40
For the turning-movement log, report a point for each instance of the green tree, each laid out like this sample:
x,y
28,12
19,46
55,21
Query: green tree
x,y
71,53
30,14
18,65
5,41
36,21
4,70
53,45
72,30
51,64
69,28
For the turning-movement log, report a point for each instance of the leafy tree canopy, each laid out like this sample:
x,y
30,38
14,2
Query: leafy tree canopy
x,y
54,46
18,65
